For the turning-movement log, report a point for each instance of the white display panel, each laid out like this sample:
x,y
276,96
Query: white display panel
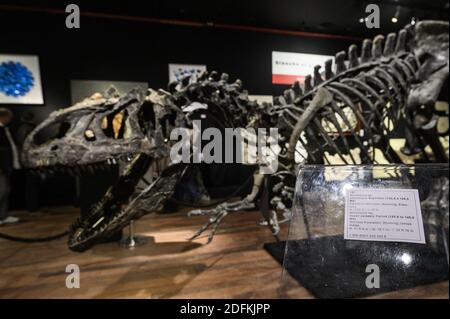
x,y
288,67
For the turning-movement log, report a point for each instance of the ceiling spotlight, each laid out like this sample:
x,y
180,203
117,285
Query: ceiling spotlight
x,y
394,19
361,20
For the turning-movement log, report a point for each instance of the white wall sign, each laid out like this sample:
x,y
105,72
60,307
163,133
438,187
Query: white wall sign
x,y
288,67
20,80
177,71
383,215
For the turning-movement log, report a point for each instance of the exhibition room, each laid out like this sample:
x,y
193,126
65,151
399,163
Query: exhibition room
x,y
224,150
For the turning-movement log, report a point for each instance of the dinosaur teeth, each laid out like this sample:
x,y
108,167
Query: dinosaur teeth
x,y
73,171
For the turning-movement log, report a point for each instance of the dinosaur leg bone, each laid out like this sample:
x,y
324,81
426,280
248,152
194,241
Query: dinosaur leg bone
x,y
217,214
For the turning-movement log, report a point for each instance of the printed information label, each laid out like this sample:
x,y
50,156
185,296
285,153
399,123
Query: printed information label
x,y
383,215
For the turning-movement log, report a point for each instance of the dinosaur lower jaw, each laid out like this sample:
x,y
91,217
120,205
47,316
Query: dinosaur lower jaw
x,y
98,224
104,219
108,216
91,230
98,227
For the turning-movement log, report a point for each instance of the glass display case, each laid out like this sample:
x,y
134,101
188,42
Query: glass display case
x,y
360,231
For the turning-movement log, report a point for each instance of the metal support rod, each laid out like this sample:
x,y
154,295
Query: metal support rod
x,y
132,240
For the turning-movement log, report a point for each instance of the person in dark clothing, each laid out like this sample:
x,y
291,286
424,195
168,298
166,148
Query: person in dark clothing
x,y
25,127
31,182
9,160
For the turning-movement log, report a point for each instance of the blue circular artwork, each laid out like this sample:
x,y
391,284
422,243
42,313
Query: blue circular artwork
x,y
15,79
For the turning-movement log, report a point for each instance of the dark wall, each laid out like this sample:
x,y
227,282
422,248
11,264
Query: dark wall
x,y
136,51
133,51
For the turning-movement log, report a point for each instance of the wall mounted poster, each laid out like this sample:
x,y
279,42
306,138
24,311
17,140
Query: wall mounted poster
x,y
81,89
288,67
177,71
20,80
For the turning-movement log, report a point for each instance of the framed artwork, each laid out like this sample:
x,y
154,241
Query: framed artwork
x,y
20,79
177,71
81,89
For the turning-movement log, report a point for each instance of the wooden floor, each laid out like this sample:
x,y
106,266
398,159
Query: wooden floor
x,y
234,265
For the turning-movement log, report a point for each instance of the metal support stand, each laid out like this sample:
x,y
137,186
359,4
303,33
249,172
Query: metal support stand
x,y
132,240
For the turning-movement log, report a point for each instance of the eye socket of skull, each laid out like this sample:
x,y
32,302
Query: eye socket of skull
x,y
167,123
147,115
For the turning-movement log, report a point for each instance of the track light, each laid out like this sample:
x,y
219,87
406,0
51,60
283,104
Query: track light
x,y
394,19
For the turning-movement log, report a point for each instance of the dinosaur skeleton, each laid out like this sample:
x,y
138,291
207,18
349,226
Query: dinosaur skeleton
x,y
362,100
354,106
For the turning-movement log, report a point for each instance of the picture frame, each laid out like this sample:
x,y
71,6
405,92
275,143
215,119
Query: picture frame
x,y
20,80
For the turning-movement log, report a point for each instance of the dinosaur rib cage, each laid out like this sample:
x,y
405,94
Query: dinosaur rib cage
x,y
367,96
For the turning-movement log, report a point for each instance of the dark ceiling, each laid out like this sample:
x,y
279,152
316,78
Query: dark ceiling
x,y
323,16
